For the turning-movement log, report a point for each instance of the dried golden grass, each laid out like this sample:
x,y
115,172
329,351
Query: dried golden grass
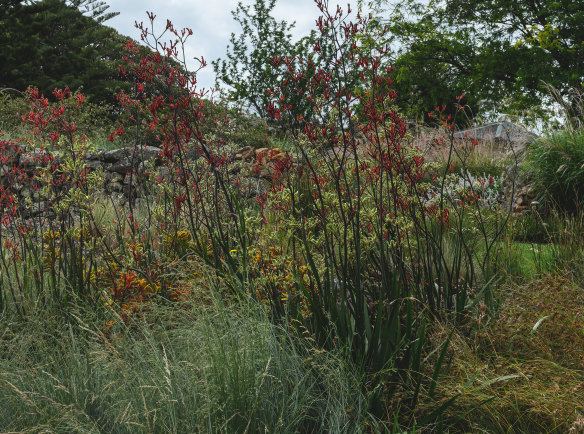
x,y
522,371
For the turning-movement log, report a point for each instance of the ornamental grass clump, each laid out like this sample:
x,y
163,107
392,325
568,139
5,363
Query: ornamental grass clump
x,y
555,165
209,368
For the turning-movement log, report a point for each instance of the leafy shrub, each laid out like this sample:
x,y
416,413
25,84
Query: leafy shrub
x,y
240,127
90,119
248,71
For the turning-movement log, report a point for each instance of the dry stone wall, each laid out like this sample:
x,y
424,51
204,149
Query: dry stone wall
x,y
124,178
29,177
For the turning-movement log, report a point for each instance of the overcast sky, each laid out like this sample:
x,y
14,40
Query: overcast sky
x,y
210,20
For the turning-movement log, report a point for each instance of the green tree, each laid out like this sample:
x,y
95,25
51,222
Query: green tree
x,y
96,9
247,70
250,70
50,43
500,52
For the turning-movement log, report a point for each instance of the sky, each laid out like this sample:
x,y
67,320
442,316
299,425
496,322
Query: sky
x,y
211,21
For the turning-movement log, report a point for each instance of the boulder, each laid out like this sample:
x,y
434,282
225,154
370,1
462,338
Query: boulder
x,y
245,153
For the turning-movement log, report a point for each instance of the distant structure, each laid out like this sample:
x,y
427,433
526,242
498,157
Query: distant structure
x,y
503,131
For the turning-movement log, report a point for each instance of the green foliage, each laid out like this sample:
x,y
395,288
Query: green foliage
x,y
555,165
525,261
497,52
247,70
423,80
243,128
543,243
50,44
531,228
91,119
96,9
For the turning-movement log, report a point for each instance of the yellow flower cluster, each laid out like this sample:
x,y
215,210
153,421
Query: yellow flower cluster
x,y
178,242
50,249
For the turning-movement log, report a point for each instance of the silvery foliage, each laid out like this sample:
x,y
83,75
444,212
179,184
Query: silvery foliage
x,y
457,186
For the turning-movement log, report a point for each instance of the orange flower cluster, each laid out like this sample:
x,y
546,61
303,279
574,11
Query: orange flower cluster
x,y
129,287
131,290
